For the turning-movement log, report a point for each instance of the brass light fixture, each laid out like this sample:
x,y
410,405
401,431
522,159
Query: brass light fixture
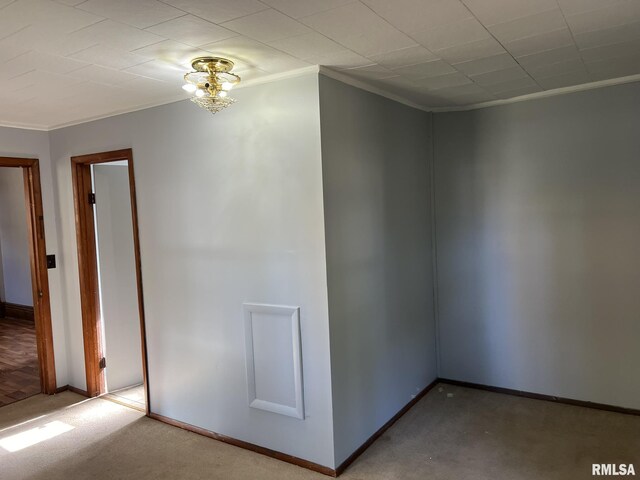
x,y
210,82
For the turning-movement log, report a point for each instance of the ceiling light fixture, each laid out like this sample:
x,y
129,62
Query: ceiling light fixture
x,y
210,82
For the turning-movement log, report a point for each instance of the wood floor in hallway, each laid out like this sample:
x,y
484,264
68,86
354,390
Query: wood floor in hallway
x,y
19,374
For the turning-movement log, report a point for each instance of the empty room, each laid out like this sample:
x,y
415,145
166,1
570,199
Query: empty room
x,y
300,239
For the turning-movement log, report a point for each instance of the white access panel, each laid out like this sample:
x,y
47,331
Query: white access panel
x,y
274,358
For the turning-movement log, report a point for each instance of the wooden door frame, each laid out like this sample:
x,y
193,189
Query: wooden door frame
x,y
88,267
39,273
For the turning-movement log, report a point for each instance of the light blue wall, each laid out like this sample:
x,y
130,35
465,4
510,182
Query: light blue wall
x,y
230,211
376,175
538,234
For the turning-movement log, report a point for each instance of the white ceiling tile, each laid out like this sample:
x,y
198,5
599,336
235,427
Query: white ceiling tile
x,y
304,8
109,57
116,35
564,80
490,12
487,64
246,52
138,13
547,57
70,3
499,76
620,13
9,51
573,7
457,33
218,11
539,43
443,81
434,68
471,51
267,26
370,72
415,16
107,76
45,41
613,68
112,64
511,85
527,26
159,70
280,63
45,14
307,45
40,61
404,57
340,60
170,51
608,36
558,68
610,52
356,27
191,30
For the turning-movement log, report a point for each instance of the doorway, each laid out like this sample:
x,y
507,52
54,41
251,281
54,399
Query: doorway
x,y
26,346
110,277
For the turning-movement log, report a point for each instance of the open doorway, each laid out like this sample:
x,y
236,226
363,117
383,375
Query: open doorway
x,y
110,279
27,364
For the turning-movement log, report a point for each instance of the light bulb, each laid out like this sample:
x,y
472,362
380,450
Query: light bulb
x,y
222,94
199,92
189,87
227,86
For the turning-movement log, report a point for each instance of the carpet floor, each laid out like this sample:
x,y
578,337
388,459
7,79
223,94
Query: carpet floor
x,y
452,433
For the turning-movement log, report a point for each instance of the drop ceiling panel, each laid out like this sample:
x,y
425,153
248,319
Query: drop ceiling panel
x,y
218,11
487,64
452,34
491,12
119,54
307,45
138,13
404,57
356,27
191,30
416,16
528,26
267,26
304,8
540,42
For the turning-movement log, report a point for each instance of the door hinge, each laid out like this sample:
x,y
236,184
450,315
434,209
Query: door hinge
x,y
103,363
92,198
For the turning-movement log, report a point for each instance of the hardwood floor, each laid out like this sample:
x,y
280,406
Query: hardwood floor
x,y
19,374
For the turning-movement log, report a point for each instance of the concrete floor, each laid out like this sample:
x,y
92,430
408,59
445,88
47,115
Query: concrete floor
x,y
452,433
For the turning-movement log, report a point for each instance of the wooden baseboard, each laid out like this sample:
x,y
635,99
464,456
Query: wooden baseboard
x,y
343,466
246,445
540,396
14,310
72,389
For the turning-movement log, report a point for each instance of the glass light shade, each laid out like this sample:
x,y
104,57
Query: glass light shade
x,y
227,86
189,87
200,92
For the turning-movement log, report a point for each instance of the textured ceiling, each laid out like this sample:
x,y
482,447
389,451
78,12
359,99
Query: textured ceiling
x,y
68,60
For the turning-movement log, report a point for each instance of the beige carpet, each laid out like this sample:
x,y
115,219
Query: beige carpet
x,y
453,433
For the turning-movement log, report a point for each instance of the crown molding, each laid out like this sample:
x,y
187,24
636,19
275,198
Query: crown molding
x,y
547,93
344,78
25,126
